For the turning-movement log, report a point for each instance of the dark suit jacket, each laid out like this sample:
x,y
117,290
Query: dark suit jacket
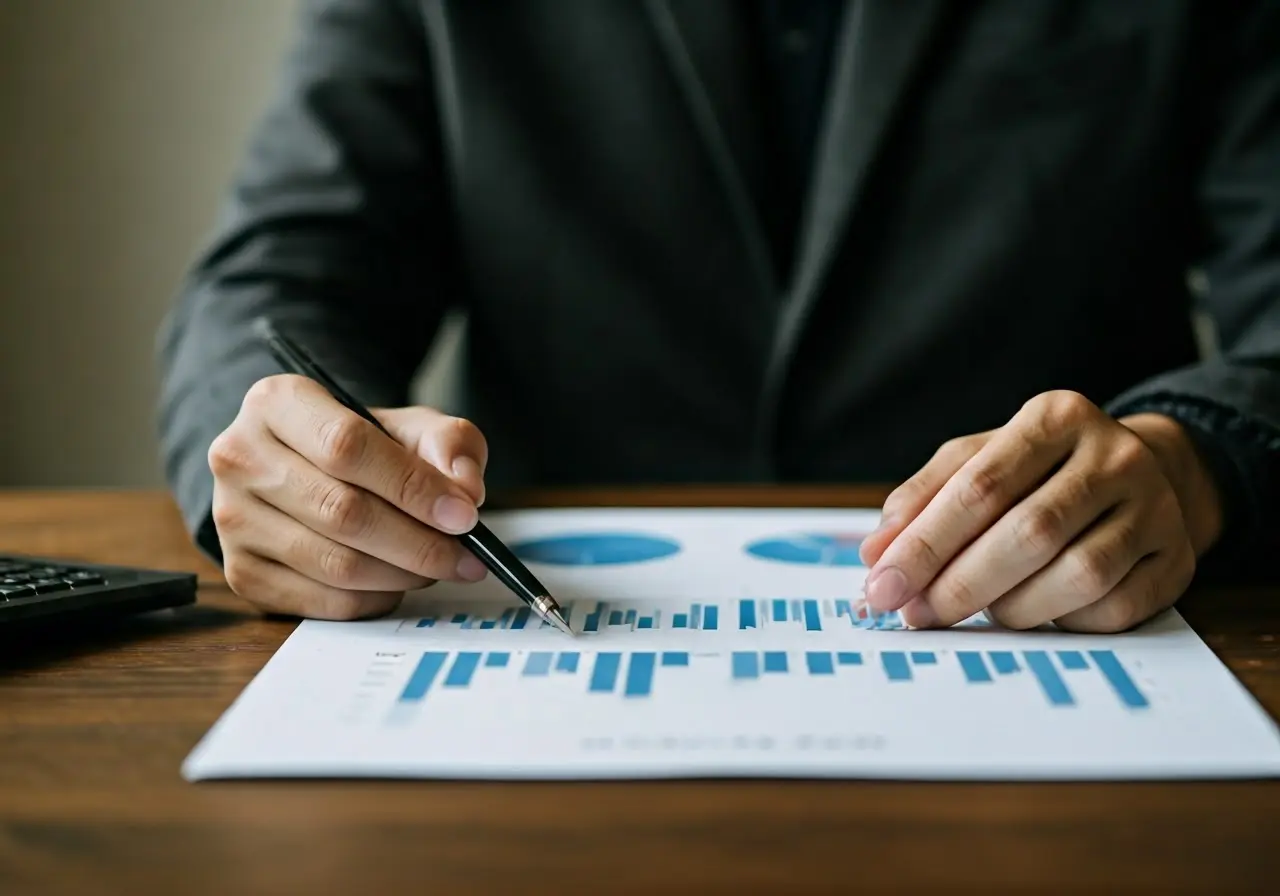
x,y
1007,199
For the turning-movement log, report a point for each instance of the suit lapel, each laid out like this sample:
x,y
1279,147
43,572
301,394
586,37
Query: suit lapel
x,y
707,46
876,53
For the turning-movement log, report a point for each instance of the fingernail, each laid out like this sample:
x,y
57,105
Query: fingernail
x,y
471,569
455,514
887,589
467,472
919,614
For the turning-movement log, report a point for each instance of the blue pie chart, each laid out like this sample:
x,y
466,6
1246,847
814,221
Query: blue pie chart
x,y
811,549
595,549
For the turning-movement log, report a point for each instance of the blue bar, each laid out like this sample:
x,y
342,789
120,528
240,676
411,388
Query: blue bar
x,y
592,622
522,616
489,623
426,671
775,661
468,623
645,622
895,665
605,674
779,610
426,623
497,660
811,620
464,666
843,609
538,663
1072,659
975,670
680,620
675,658
711,619
630,618
695,616
746,614
1119,679
505,619
745,665
819,663
796,612
849,658
615,617
459,618
923,657
639,675
567,662
1004,661
1055,689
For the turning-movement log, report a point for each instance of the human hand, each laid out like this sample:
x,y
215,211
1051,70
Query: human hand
x,y
1063,515
320,514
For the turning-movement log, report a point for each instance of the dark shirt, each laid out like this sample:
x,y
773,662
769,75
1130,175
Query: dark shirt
x,y
798,39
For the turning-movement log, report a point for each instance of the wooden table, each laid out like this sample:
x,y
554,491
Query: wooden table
x,y
92,732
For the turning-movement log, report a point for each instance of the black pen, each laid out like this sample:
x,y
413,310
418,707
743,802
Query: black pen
x,y
495,555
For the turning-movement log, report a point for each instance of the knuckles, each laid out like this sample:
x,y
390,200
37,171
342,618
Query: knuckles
x,y
343,509
1092,571
1042,529
1061,409
340,566
341,443
229,454
1129,456
434,558
980,490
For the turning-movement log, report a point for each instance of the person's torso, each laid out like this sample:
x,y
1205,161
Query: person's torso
x,y
1019,181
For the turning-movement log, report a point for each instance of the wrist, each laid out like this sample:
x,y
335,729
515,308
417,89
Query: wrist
x,y
1188,473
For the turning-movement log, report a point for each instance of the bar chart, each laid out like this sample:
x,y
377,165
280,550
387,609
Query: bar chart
x,y
796,614
632,674
725,642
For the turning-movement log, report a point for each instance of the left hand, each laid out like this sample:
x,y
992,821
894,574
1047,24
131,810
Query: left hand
x,y
1062,515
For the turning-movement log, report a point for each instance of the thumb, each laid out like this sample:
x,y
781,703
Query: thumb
x,y
453,445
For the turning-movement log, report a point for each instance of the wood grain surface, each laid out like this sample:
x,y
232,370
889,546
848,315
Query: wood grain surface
x,y
94,726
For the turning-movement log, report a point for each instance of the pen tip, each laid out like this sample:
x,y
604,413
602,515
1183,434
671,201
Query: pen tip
x,y
560,622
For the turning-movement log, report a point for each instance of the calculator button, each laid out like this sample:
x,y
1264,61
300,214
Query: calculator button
x,y
11,592
44,586
83,578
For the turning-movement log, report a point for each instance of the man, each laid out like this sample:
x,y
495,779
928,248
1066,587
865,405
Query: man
x,y
709,240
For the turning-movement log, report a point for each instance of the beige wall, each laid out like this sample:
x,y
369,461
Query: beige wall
x,y
120,122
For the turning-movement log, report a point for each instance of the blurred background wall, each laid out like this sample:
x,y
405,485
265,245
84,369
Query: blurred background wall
x,y
120,124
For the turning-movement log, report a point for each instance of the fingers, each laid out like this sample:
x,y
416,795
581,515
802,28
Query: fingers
x,y
1019,544
304,417
272,535
275,588
1153,585
1109,579
906,501
349,516
1012,463
453,445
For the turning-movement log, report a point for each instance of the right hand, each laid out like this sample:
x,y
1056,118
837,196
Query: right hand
x,y
321,515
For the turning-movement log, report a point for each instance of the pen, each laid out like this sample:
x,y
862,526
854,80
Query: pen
x,y
495,555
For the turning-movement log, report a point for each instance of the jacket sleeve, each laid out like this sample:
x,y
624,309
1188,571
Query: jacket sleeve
x,y
332,225
1230,403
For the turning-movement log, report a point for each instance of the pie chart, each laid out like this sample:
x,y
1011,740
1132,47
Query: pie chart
x,y
811,549
596,549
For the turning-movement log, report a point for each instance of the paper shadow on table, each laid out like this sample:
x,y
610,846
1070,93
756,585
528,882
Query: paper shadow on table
x,y
30,647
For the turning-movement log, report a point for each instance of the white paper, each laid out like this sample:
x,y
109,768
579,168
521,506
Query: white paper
x,y
833,695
